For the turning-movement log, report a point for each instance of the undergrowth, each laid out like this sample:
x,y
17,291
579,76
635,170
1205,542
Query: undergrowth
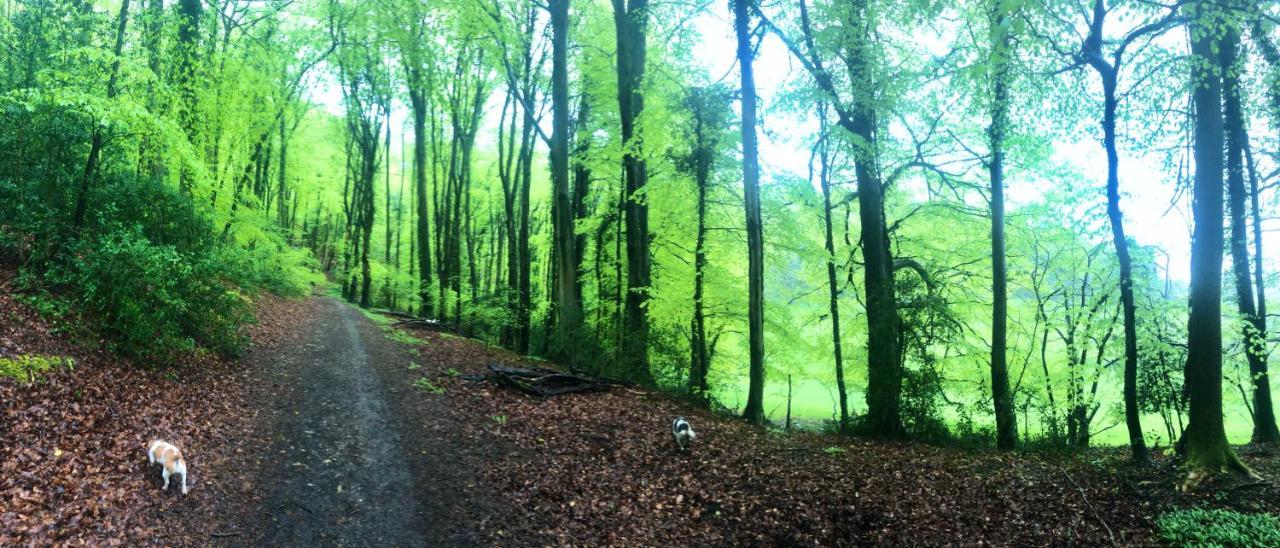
x,y
1218,528
29,369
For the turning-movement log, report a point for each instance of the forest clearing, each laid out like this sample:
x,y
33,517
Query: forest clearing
x,y
474,272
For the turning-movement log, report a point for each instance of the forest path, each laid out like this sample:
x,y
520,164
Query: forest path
x,y
340,469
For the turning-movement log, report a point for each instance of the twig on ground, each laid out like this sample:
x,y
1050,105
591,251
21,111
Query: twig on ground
x,y
1089,505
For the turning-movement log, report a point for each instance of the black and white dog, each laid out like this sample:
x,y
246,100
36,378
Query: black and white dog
x,y
682,432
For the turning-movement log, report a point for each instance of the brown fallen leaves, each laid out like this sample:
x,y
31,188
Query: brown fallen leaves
x,y
580,469
73,466
601,469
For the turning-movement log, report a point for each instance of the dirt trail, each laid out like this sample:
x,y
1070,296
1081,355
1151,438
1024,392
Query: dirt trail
x,y
339,470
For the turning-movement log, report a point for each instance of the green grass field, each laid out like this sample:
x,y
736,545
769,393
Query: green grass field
x,y
815,401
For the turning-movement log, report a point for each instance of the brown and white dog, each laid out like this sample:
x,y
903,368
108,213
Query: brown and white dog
x,y
171,459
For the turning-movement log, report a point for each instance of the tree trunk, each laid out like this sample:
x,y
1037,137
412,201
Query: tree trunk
x,y
824,177
754,411
96,141
581,187
1205,440
698,364
189,14
418,100
1006,418
1254,330
568,306
630,20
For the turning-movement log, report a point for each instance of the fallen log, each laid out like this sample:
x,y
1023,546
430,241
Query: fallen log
x,y
544,382
412,322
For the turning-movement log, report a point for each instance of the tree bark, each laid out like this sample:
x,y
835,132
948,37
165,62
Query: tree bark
x,y
754,411
1006,418
630,21
1254,329
96,141
1205,440
568,305
417,101
833,288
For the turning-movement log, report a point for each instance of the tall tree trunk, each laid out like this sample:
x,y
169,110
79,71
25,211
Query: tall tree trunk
x,y
581,187
418,100
1092,50
525,262
1006,417
1264,425
630,19
833,287
699,360
1254,330
568,307
189,14
884,365
1205,440
754,411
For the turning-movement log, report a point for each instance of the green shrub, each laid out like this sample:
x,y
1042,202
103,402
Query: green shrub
x,y
152,300
1225,528
29,368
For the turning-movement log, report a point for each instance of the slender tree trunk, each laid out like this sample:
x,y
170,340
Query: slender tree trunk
x,y
754,411
1205,440
1254,329
96,141
1108,74
705,137
1006,418
189,14
1264,425
833,288
581,187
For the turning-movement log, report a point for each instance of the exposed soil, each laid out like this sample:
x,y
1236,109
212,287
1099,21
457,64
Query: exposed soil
x,y
334,462
328,432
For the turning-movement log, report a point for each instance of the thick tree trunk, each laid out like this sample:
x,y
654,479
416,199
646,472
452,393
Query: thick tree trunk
x,y
754,411
1205,440
418,100
884,365
884,370
568,305
630,20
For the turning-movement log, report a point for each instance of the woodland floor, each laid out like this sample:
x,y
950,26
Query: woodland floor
x,y
320,436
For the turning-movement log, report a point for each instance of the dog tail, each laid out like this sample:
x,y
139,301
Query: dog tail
x,y
692,436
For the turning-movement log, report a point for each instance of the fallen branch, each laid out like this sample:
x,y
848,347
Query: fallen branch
x,y
411,322
545,382
1089,505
